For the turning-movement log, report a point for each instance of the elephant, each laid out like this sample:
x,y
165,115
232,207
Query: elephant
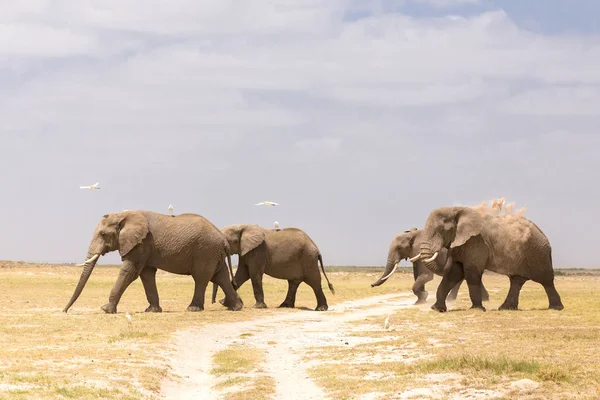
x,y
187,244
510,245
405,246
288,254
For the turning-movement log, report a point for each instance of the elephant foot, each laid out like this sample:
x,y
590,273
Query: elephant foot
x,y
287,305
109,308
195,308
439,307
259,305
322,307
508,307
237,307
421,297
151,308
557,307
479,307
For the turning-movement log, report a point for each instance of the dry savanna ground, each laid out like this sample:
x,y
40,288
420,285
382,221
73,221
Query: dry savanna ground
x,y
533,353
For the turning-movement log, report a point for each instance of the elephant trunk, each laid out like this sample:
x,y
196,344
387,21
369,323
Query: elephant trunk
x,y
88,267
390,268
430,251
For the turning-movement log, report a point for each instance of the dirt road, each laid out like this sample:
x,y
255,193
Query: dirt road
x,y
285,335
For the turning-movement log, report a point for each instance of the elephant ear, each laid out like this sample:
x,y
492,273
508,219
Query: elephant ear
x,y
468,224
252,237
133,229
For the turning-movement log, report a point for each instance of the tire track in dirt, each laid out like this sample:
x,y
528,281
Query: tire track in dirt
x,y
284,336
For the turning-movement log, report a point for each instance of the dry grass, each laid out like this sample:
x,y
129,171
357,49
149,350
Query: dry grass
x,y
481,351
86,354
241,365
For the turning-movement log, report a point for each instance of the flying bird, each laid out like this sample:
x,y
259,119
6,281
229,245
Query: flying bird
x,y
171,209
267,203
276,224
91,187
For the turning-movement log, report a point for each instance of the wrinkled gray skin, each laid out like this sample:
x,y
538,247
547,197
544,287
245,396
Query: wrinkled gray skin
x,y
288,254
406,245
508,245
187,244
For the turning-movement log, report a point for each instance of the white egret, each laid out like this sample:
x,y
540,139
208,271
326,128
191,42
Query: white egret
x,y
386,323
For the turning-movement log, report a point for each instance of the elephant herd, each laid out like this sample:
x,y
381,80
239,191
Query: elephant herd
x,y
458,243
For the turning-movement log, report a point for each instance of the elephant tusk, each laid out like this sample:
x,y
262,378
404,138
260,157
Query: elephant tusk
x,y
416,258
391,273
92,259
435,255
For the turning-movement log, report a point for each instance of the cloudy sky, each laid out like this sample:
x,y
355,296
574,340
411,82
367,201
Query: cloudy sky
x,y
359,117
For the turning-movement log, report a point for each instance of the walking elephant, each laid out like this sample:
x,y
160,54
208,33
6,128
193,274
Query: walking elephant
x,y
510,245
406,246
187,244
288,254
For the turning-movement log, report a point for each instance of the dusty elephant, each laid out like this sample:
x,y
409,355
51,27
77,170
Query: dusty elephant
x,y
510,245
288,254
187,244
406,246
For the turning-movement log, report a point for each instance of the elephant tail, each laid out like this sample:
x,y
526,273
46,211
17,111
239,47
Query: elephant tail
x,y
326,278
214,292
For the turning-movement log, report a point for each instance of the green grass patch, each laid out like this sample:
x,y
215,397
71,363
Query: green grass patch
x,y
237,359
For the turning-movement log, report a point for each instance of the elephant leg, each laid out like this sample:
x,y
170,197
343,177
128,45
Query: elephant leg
x,y
201,273
127,274
290,298
553,297
148,277
232,300
315,284
257,287
485,296
241,276
454,292
473,278
449,280
512,299
419,286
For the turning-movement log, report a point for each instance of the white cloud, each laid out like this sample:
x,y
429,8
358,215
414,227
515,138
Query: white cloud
x,y
445,3
387,105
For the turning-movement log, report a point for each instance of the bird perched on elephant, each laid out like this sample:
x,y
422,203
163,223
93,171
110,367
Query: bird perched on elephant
x,y
510,245
406,246
288,254
187,244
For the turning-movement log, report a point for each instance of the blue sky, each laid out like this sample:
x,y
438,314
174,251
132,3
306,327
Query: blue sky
x,y
358,117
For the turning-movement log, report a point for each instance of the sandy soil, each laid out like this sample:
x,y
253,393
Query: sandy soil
x,y
284,335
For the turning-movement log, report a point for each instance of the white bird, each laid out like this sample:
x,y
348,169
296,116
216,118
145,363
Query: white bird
x,y
129,319
91,187
386,323
276,224
267,203
171,209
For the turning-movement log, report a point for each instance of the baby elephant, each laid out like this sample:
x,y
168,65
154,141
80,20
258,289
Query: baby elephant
x,y
406,245
288,254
